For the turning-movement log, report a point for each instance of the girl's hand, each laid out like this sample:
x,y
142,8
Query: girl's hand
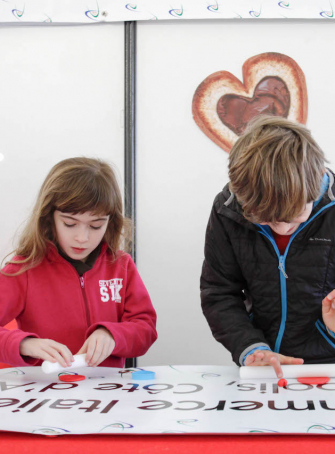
x,y
328,310
46,349
268,358
98,346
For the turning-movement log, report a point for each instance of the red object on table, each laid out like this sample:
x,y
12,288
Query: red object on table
x,y
71,377
11,325
313,380
282,382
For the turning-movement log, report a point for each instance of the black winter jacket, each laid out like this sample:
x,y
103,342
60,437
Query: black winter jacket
x,y
253,296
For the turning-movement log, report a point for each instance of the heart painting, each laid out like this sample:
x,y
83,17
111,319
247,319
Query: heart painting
x,y
273,84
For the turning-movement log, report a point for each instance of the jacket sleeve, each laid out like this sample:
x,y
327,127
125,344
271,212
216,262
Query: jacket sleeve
x,y
222,298
13,290
136,331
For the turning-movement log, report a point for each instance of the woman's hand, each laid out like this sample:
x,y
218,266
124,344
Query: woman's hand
x,y
98,346
268,358
47,350
328,310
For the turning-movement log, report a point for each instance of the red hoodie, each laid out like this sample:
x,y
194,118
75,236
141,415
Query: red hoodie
x,y
51,301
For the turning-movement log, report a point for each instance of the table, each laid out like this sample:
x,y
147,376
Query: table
x,y
13,442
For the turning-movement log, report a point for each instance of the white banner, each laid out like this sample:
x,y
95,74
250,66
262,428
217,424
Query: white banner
x,y
181,399
94,11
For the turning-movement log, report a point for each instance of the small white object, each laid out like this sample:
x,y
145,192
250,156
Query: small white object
x,y
294,371
49,368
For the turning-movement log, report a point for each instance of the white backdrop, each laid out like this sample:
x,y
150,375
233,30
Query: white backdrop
x,y
61,95
180,170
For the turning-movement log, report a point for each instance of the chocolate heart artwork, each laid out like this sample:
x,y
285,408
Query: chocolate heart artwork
x,y
273,84
271,97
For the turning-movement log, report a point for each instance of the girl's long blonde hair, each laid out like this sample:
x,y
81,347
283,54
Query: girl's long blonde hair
x,y
75,185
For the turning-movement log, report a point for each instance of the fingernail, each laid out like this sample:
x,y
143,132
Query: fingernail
x,y
333,305
280,375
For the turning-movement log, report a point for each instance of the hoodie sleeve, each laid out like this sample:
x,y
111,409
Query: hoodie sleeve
x,y
136,331
222,297
13,290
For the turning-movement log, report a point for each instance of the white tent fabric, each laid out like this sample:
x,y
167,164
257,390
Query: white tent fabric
x,y
95,11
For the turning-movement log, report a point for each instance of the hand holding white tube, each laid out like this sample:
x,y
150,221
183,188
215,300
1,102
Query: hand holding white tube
x,y
292,371
46,350
49,367
276,360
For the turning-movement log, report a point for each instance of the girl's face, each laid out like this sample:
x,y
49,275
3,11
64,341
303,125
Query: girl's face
x,y
287,228
79,234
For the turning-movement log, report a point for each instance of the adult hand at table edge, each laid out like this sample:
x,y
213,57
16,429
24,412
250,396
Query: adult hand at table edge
x,y
268,358
328,310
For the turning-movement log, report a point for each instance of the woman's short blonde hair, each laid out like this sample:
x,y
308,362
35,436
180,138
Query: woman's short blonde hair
x,y
275,169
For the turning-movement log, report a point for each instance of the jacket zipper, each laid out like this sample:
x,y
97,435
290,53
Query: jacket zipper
x,y
281,266
82,285
283,275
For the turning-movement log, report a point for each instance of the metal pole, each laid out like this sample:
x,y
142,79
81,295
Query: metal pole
x,y
130,139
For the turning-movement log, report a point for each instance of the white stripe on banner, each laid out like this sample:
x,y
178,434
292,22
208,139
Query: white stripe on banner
x,y
95,11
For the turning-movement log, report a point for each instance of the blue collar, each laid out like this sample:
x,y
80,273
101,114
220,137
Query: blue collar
x,y
324,188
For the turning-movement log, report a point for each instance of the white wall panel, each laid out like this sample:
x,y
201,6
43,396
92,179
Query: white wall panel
x,y
61,95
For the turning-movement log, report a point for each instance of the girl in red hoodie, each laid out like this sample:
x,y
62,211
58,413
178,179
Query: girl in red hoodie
x,y
69,286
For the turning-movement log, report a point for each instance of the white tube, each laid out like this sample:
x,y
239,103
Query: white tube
x,y
49,368
294,371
